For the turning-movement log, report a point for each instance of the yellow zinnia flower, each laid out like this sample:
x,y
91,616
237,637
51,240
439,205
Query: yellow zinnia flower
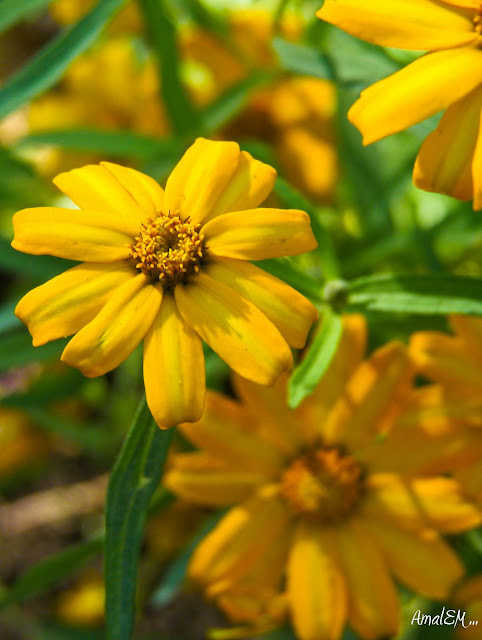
x,y
186,248
334,493
448,77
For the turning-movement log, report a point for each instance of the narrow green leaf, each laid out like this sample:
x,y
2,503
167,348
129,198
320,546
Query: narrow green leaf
x,y
16,349
295,200
48,66
113,143
423,294
204,17
320,353
37,267
51,570
162,30
302,59
12,11
134,479
286,270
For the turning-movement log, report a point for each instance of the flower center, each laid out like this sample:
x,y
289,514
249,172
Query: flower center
x,y
169,249
323,485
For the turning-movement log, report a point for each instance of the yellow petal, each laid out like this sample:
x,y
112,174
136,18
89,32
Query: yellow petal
x,y
373,600
477,169
351,348
372,398
404,24
95,187
258,234
435,503
268,410
117,330
65,304
447,360
416,92
422,561
212,488
290,312
469,328
148,194
174,372
470,477
69,233
316,586
444,163
234,328
224,432
239,540
249,186
430,448
200,178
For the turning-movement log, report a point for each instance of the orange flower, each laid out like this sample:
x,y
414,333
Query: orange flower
x,y
330,495
171,267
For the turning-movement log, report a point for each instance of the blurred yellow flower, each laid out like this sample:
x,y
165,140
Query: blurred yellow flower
x,y
335,494
448,77
187,248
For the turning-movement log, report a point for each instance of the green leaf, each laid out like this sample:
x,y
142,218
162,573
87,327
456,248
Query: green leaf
x,y
314,365
39,268
16,349
302,59
51,570
134,479
13,11
204,17
53,631
423,294
295,200
182,114
50,63
125,144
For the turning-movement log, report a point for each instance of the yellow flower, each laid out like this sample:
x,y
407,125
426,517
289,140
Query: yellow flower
x,y
334,495
448,77
453,361
186,248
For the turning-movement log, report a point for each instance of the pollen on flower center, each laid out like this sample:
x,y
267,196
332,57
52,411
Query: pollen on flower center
x,y
323,485
169,249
